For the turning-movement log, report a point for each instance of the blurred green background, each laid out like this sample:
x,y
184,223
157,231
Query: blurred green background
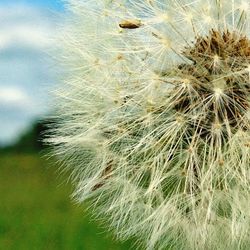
x,y
36,211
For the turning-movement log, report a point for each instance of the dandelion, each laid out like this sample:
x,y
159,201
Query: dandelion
x,y
153,119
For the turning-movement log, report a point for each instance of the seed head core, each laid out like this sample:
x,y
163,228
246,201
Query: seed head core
x,y
220,83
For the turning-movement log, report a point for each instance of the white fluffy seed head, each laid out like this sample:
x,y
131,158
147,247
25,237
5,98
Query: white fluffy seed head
x,y
153,118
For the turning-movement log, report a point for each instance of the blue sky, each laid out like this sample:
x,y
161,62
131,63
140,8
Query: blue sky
x,y
54,4
27,73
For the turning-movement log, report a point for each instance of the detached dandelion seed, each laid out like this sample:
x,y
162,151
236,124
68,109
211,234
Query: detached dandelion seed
x,y
153,119
130,24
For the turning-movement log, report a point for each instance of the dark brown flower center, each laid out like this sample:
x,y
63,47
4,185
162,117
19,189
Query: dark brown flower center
x,y
218,78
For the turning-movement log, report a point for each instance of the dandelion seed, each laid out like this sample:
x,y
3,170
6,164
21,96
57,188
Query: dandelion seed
x,y
153,119
130,24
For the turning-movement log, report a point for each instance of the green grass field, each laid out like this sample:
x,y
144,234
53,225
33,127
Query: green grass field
x,y
36,211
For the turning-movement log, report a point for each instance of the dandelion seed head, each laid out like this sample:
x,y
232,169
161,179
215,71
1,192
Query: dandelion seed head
x,y
153,119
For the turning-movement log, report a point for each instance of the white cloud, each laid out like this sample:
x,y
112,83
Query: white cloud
x,y
25,35
25,26
13,96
